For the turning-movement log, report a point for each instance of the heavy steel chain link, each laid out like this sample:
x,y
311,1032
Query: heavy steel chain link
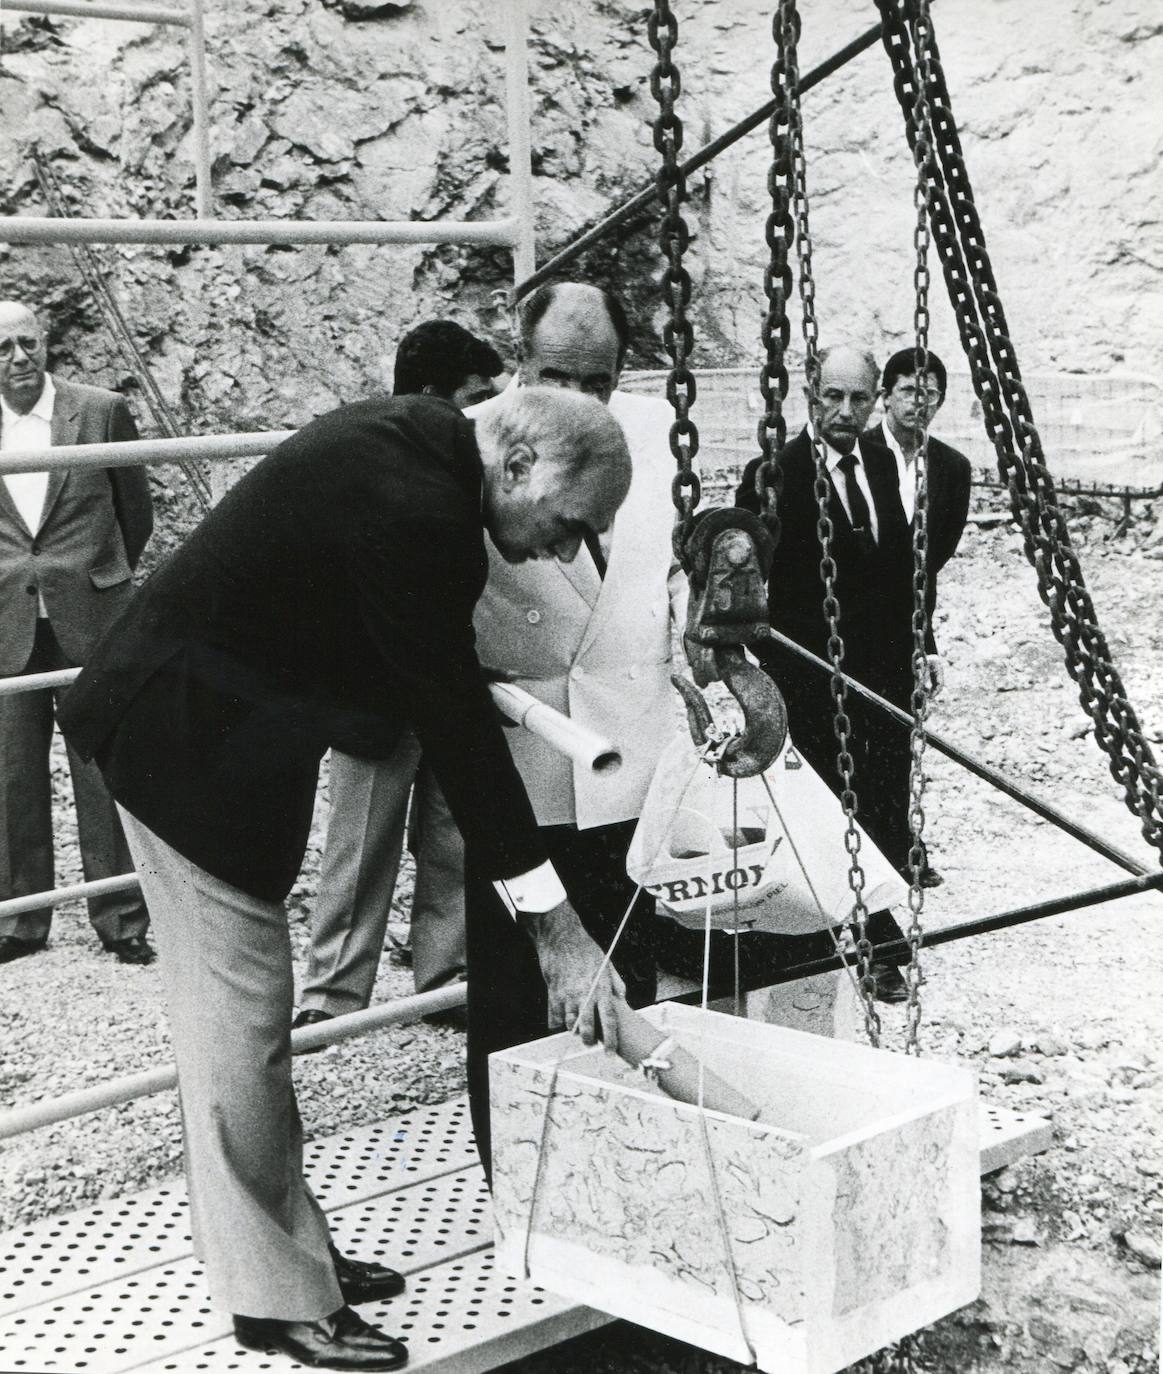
x,y
674,238
777,286
923,157
787,36
1033,498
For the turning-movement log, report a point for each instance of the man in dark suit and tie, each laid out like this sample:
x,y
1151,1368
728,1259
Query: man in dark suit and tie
x,y
910,402
68,544
326,602
872,551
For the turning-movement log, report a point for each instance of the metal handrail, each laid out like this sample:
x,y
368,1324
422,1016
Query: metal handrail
x,y
503,233
20,1120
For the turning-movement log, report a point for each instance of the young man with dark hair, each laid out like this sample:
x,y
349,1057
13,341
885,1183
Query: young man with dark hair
x,y
441,358
911,403
370,808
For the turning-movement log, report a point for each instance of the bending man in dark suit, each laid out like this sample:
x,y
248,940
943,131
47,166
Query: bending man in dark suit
x,y
873,555
327,601
68,544
907,404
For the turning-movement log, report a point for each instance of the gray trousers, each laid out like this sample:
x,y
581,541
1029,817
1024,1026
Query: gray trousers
x,y
361,860
26,825
225,961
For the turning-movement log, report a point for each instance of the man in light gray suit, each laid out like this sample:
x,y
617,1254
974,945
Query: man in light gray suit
x,y
69,541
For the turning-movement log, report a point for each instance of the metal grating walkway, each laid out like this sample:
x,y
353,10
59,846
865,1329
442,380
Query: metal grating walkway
x,y
116,1288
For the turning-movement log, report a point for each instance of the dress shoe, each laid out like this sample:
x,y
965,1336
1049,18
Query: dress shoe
x,y
890,984
341,1341
930,877
133,949
455,1018
311,1016
13,947
363,1281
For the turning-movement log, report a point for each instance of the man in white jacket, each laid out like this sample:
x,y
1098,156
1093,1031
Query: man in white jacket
x,y
591,638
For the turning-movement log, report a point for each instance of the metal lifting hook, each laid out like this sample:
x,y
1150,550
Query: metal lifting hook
x,y
727,556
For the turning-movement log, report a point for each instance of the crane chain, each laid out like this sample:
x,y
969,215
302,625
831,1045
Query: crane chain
x,y
787,36
919,701
969,276
777,287
674,238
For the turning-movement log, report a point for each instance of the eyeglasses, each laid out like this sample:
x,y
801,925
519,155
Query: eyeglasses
x,y
907,391
28,343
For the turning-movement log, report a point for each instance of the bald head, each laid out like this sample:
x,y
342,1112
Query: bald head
x,y
572,336
849,379
23,356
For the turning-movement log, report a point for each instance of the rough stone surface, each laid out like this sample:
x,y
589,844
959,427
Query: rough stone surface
x,y
373,109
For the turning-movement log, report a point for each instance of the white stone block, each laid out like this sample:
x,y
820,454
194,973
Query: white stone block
x,y
852,1205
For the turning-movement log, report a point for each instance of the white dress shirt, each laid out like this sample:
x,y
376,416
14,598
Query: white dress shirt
x,y
906,473
33,430
841,486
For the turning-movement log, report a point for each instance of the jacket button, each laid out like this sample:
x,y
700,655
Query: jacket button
x,y
634,670
533,617
575,672
31,589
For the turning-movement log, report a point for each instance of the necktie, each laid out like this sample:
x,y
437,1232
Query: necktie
x,y
594,544
861,516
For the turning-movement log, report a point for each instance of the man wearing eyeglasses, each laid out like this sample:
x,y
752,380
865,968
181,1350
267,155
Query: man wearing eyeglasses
x,y
69,540
910,404
872,560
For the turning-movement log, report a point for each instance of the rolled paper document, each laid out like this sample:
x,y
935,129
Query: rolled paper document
x,y
582,745
675,1070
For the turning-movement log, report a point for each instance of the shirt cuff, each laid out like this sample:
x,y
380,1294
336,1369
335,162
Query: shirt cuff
x,y
531,893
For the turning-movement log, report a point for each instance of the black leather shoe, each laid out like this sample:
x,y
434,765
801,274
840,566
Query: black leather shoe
x,y
133,949
362,1281
930,877
341,1341
311,1016
13,947
890,984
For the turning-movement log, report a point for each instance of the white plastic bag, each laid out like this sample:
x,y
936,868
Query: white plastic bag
x,y
763,857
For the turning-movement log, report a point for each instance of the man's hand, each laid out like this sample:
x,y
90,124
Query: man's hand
x,y
569,964
936,675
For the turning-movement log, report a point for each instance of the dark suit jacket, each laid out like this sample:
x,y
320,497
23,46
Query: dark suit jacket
x,y
96,523
873,583
950,478
326,601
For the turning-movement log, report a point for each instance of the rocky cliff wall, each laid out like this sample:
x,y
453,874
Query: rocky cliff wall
x,y
365,108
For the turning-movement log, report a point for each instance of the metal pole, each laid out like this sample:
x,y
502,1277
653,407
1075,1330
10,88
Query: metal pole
x,y
20,1120
648,194
81,9
767,976
977,766
517,107
203,200
123,882
142,452
31,229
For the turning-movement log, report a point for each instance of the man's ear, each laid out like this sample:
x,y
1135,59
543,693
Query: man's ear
x,y
517,466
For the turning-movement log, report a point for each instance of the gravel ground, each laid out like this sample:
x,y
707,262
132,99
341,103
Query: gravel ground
x,y
1063,1015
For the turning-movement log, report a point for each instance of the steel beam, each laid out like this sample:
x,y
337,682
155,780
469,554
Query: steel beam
x,y
648,194
31,229
978,767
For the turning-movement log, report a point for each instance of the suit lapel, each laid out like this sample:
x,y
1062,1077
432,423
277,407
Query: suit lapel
x,y
882,481
66,425
7,505
583,577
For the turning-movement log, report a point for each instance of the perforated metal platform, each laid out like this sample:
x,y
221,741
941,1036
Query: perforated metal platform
x,y
116,1288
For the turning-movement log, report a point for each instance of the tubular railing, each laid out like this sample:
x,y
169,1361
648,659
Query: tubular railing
x,y
515,232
